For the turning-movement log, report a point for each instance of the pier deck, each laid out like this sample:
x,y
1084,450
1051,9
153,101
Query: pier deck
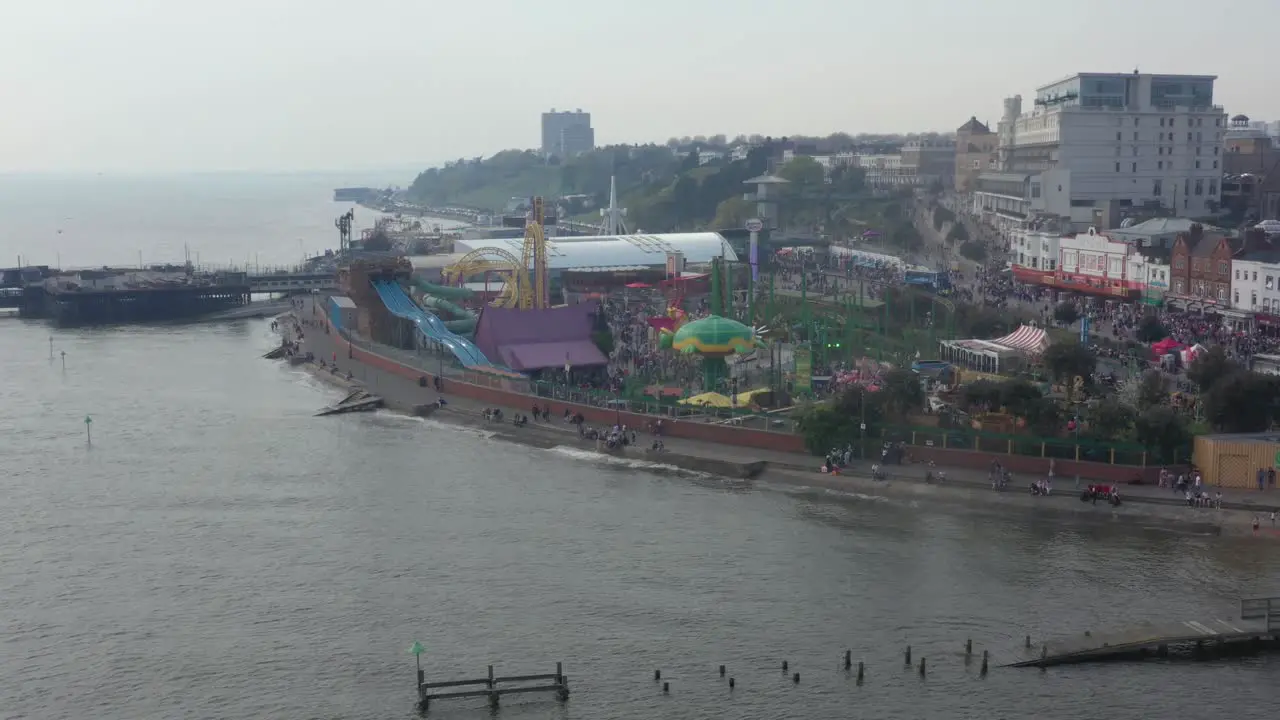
x,y
1258,628
556,682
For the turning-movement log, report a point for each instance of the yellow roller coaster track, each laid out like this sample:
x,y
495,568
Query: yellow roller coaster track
x,y
516,292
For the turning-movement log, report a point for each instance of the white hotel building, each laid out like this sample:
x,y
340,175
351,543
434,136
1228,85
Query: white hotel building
x,y
1095,145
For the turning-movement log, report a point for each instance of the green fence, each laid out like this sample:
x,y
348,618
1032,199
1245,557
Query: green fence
x,y
1061,448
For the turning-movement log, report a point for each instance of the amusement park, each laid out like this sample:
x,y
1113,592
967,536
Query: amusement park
x,y
769,340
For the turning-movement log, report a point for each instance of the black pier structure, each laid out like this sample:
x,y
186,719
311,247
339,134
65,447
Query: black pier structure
x,y
121,296
489,688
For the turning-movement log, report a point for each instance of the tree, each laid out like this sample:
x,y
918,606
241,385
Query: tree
x,y
1066,361
848,179
828,426
1066,313
1153,389
1209,367
733,213
981,396
942,216
976,252
1019,397
983,322
1112,420
902,392
684,199
1241,401
1044,417
906,236
958,233
1150,330
379,241
804,172
1164,433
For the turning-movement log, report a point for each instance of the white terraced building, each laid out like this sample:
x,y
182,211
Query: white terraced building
x,y
1098,144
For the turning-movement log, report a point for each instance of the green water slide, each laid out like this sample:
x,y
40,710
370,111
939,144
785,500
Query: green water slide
x,y
438,297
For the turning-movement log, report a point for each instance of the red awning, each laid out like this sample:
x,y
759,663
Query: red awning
x,y
638,285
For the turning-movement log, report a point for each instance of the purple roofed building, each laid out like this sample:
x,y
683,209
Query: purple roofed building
x,y
528,340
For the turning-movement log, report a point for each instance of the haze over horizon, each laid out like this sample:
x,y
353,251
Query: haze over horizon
x,y
285,85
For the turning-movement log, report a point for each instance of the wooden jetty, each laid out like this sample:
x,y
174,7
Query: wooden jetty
x,y
356,401
1257,629
556,682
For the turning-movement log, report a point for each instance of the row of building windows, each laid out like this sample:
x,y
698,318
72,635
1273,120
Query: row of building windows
x,y
1170,122
1162,150
1157,188
1179,286
1162,137
1267,305
1244,275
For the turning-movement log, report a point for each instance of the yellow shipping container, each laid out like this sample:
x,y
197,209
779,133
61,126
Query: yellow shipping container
x,y
1233,461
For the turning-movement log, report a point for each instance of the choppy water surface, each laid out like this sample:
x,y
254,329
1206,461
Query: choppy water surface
x,y
219,553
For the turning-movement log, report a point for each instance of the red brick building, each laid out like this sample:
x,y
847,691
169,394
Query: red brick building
x,y
1200,270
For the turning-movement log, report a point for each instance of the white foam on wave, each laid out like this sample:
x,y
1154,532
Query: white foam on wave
x,y
393,417
622,462
849,494
311,382
830,492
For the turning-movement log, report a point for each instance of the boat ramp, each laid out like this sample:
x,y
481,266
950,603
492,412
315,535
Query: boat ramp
x,y
355,401
1256,630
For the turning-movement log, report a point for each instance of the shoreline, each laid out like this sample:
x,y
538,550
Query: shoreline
x,y
1140,512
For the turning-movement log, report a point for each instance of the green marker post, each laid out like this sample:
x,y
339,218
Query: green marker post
x,y
416,650
88,432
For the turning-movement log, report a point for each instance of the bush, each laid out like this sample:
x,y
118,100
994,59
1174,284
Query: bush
x,y
976,252
1066,313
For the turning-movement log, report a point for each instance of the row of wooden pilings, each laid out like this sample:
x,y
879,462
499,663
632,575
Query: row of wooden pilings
x,y
861,668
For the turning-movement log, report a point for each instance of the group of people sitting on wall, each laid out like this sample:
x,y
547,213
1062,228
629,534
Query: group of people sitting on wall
x,y
1107,493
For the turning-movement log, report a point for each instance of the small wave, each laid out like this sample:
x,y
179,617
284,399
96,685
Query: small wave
x,y
622,462
394,417
826,491
311,382
850,495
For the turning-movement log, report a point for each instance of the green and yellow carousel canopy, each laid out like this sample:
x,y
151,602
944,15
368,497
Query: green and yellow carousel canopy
x,y
715,335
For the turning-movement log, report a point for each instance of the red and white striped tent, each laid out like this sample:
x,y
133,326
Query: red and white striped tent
x,y
1010,352
1028,339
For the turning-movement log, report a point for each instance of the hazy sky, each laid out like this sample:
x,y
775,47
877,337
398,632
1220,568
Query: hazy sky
x,y
176,85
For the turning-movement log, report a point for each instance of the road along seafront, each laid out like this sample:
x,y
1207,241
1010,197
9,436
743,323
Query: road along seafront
x,y
1143,505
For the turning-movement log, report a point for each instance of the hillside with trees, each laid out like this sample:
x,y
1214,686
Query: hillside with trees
x,y
665,188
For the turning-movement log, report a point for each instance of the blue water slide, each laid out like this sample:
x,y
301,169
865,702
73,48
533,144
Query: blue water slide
x,y
431,327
